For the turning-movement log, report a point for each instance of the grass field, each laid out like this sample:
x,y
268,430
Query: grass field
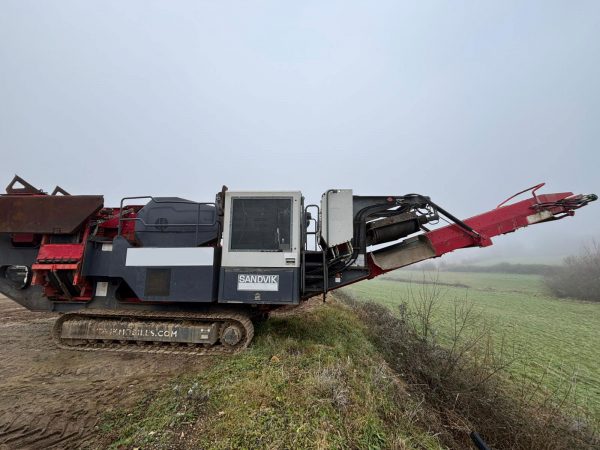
x,y
308,381
346,374
556,340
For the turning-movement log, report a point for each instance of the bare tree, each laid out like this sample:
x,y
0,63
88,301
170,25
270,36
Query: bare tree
x,y
579,276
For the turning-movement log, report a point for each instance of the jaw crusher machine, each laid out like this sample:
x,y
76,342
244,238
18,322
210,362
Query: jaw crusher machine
x,y
165,274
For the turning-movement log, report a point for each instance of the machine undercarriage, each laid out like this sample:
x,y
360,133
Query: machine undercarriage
x,y
208,333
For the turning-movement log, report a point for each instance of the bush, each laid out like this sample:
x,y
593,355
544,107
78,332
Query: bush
x,y
463,383
579,276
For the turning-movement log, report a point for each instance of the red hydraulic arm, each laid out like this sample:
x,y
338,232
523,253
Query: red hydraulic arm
x,y
477,231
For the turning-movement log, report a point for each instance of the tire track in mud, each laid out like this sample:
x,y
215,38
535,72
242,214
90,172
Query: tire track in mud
x,y
54,398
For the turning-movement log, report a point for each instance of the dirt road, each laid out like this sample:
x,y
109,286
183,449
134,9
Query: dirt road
x,y
52,398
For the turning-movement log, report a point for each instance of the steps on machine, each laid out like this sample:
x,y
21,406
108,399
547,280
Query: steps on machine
x,y
315,272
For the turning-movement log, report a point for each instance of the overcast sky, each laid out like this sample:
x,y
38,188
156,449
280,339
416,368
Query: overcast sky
x,y
467,102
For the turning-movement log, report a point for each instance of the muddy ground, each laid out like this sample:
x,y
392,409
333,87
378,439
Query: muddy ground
x,y
53,398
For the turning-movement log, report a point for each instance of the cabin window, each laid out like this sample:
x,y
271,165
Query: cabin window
x,y
261,224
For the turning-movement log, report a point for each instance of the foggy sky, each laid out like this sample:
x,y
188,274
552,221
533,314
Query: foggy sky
x,y
467,102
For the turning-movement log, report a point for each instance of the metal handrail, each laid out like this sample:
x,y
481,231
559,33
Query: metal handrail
x,y
187,202
533,190
317,231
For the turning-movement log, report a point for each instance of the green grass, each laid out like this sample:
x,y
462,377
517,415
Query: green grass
x,y
317,378
555,339
311,380
498,282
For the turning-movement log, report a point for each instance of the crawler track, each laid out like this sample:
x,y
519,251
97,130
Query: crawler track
x,y
155,347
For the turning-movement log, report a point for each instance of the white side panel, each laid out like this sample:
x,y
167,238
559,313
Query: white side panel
x,y
178,256
101,288
337,225
539,217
